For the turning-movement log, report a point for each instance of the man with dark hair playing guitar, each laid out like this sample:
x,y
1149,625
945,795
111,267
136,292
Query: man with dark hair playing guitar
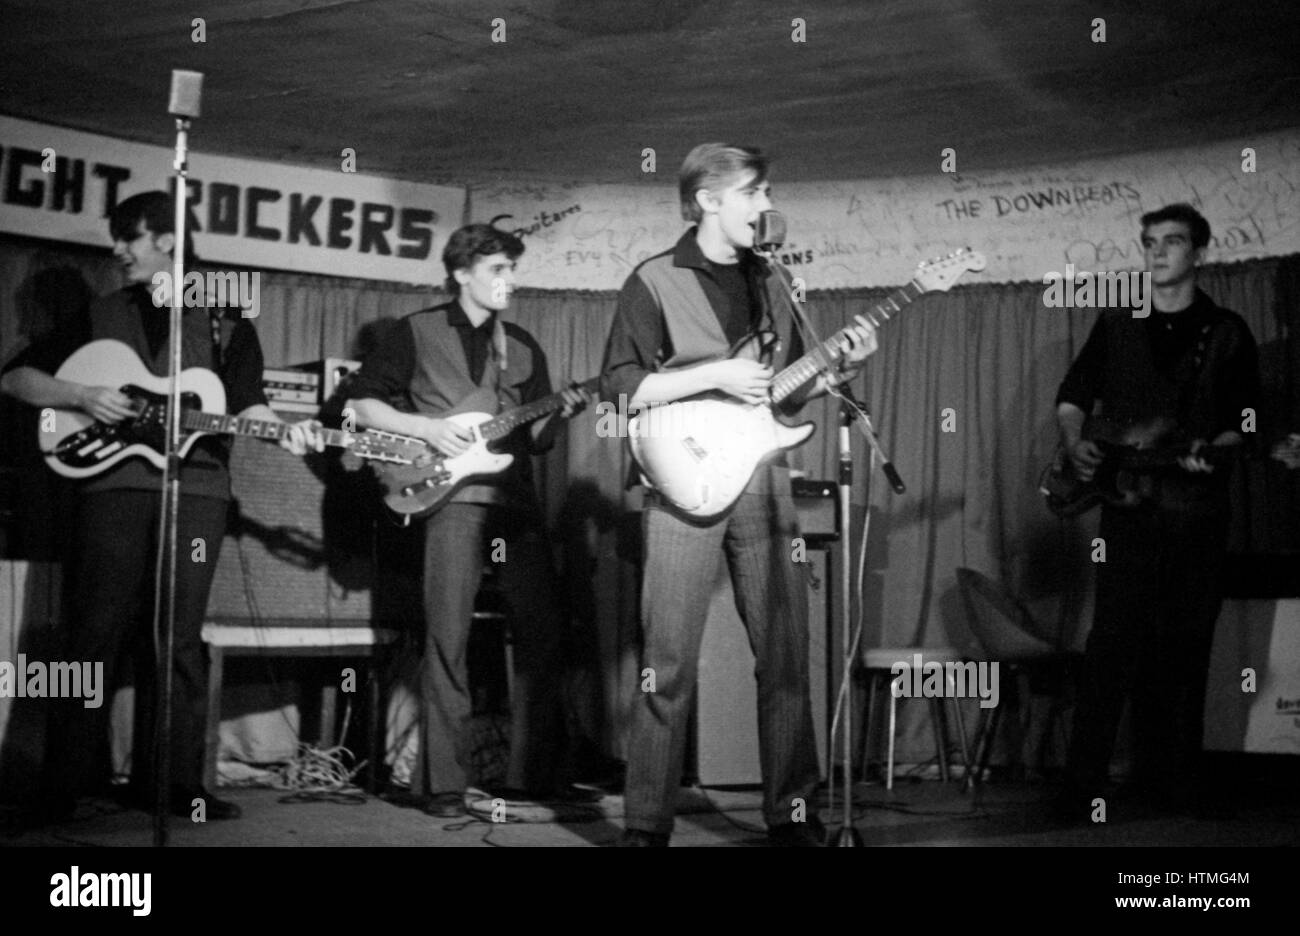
x,y
1184,375
439,364
109,572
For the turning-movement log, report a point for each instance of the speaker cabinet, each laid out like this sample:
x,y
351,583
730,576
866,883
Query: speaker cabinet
x,y
726,736
299,542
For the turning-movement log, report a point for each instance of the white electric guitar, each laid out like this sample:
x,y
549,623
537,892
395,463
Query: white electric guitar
x,y
78,446
418,479
700,453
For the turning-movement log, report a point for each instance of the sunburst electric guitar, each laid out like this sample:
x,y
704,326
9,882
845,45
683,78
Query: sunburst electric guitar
x,y
700,453
419,479
78,446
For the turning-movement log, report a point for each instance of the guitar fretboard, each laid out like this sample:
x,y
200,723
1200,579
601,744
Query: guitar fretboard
x,y
506,423
831,350
257,428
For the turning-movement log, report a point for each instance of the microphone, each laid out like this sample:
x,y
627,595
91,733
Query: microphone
x,y
186,94
769,232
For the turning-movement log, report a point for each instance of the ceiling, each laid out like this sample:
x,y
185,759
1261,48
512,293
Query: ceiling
x,y
580,87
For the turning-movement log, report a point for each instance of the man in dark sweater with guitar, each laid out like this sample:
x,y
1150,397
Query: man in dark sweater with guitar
x,y
109,573
678,314
456,358
1183,377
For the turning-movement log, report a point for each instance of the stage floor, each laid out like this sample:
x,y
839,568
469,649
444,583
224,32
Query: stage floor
x,y
1262,811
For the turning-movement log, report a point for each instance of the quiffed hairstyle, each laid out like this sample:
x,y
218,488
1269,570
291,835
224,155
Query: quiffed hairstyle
x,y
156,209
158,212
1197,226
474,241
711,166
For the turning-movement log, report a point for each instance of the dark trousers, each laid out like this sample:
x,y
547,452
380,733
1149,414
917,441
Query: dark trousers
x,y
458,539
681,566
109,610
1158,597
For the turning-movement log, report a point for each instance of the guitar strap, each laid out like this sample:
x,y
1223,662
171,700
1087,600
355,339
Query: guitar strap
x,y
807,331
218,352
1189,372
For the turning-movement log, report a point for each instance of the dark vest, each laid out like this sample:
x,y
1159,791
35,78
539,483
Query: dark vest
x,y
697,336
692,323
204,473
441,386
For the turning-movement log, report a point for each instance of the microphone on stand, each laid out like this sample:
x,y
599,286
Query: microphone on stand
x,y
186,94
769,233
183,104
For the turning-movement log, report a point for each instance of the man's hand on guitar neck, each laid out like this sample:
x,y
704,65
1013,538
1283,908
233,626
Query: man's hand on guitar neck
x,y
1288,451
303,436
545,431
858,345
576,399
1195,463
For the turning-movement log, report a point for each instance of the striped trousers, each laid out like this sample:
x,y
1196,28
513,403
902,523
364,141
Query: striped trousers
x,y
681,565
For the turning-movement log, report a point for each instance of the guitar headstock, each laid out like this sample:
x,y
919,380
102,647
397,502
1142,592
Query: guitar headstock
x,y
939,274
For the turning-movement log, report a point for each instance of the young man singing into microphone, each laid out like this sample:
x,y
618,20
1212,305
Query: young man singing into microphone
x,y
678,314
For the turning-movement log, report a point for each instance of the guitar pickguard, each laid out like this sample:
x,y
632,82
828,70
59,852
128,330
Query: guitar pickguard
x,y
92,447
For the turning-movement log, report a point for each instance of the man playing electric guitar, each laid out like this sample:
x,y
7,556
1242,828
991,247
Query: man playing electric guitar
x,y
678,314
1192,367
455,358
110,568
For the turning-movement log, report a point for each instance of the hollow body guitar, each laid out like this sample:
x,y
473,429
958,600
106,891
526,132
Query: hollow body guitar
x,y
699,454
78,446
419,479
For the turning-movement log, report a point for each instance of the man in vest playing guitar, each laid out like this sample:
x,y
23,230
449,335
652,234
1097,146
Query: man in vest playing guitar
x,y
456,358
110,566
678,314
1190,367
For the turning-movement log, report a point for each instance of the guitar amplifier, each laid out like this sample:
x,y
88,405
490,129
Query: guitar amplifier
x,y
278,560
817,504
726,713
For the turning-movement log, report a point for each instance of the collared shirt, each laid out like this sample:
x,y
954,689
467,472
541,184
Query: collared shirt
x,y
475,339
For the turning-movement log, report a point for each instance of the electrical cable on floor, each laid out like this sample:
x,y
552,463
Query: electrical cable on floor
x,y
316,775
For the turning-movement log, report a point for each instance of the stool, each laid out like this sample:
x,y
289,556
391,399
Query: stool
x,y
285,639
880,668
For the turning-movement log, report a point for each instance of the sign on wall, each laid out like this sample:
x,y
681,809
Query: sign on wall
x,y
59,184
874,232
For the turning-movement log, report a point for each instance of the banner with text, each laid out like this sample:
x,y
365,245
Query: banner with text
x,y
60,184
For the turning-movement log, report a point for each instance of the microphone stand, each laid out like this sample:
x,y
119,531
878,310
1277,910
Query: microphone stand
x,y
766,242
165,578
848,836
851,408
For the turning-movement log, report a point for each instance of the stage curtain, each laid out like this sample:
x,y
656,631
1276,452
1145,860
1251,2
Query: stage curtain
x,y
962,391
